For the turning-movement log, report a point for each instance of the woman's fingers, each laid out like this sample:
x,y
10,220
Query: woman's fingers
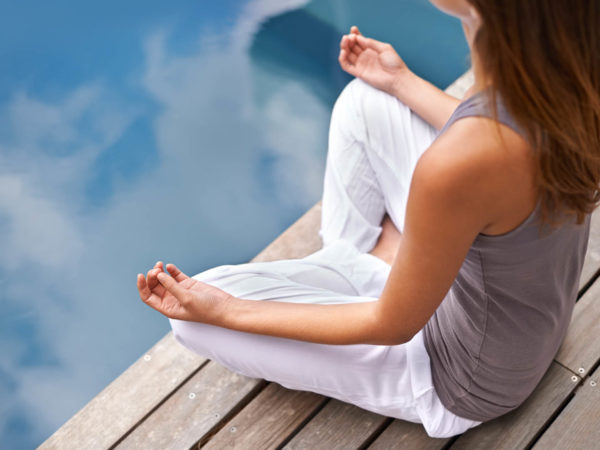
x,y
349,44
373,44
344,43
151,277
143,289
153,283
352,58
176,273
173,287
344,63
354,30
354,47
148,296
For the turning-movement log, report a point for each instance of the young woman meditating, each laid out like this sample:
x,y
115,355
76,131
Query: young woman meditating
x,y
450,259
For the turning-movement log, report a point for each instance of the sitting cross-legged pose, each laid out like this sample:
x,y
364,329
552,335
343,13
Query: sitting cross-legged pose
x,y
454,232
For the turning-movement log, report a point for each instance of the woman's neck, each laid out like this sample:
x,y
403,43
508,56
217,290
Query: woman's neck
x,y
481,80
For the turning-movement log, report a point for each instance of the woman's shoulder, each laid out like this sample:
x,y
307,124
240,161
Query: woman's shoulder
x,y
486,163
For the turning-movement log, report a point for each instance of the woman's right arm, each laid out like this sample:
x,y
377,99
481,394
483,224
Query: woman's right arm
x,y
378,64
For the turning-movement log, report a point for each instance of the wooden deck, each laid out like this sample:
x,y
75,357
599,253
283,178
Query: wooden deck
x,y
173,399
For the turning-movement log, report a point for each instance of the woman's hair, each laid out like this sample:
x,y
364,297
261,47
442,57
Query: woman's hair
x,y
543,59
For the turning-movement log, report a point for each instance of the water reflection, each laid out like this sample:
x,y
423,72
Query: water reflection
x,y
199,148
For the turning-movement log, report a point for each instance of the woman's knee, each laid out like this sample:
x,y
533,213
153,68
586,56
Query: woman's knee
x,y
179,330
366,114
190,335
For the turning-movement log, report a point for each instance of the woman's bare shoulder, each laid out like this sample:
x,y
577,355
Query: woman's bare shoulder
x,y
488,165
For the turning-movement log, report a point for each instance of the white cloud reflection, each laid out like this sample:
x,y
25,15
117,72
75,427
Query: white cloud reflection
x,y
71,268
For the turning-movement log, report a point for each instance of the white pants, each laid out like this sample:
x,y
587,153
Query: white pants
x,y
374,144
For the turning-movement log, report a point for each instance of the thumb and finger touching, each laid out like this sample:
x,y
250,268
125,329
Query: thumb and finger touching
x,y
373,44
173,287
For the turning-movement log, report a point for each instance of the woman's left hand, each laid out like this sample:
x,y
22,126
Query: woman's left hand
x,y
181,297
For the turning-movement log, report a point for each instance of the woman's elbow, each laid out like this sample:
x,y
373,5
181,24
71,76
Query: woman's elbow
x,y
393,335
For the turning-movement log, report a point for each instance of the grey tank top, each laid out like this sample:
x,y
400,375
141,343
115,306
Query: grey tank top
x,y
501,323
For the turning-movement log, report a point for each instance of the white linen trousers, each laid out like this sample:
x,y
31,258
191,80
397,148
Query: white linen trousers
x,y
374,144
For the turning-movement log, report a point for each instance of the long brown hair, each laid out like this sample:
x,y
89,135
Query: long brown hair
x,y
543,58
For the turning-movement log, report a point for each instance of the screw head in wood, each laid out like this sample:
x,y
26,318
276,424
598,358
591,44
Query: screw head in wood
x,y
233,429
147,357
574,378
592,383
192,396
581,370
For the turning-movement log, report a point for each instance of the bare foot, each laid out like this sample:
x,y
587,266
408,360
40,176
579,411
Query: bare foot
x,y
388,242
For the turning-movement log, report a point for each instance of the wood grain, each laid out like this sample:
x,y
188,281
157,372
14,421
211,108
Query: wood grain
x,y
580,351
337,425
199,406
128,399
268,420
578,425
519,428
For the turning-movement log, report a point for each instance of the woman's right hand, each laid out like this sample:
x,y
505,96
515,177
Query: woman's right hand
x,y
375,62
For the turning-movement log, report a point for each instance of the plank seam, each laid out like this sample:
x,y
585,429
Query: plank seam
x,y
231,414
301,425
567,368
376,433
158,405
593,368
536,437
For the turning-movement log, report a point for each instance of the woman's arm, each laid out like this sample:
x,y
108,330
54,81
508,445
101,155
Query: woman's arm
x,y
452,198
378,64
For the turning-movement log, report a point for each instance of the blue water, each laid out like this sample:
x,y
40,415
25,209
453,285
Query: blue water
x,y
191,132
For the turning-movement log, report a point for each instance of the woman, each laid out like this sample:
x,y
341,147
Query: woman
x,y
451,260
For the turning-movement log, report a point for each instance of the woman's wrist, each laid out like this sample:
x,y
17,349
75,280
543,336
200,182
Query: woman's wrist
x,y
404,83
426,100
223,311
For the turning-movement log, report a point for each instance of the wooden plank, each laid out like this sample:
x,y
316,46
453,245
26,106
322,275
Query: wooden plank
x,y
268,420
338,425
202,404
128,399
580,351
519,428
578,425
406,435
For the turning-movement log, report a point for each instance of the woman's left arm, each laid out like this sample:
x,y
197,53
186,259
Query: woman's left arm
x,y
449,203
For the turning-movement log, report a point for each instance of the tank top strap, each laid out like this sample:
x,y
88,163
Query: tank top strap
x,y
479,104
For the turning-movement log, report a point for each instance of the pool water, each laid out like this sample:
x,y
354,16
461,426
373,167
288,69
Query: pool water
x,y
190,132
